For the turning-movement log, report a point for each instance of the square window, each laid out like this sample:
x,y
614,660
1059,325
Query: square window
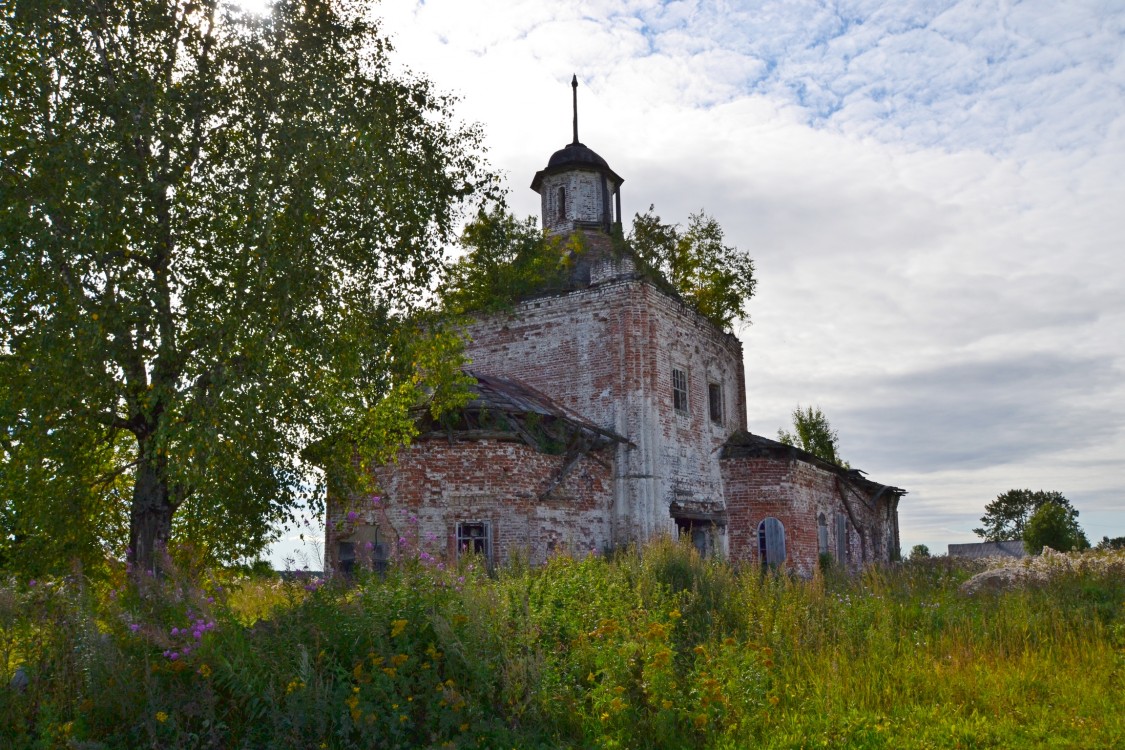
x,y
475,538
679,390
715,402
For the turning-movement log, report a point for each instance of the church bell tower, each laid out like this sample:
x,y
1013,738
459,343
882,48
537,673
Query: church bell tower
x,y
577,189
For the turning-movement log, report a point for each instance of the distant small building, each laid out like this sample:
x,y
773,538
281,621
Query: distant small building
x,y
976,550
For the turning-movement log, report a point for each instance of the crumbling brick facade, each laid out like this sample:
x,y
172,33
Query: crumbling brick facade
x,y
505,486
650,398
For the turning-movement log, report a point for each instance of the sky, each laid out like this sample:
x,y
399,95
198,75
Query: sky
x,y
933,194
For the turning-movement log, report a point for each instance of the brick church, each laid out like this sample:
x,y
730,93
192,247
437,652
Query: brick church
x,y
605,415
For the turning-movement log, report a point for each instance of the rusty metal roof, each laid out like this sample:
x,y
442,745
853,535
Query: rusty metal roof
x,y
493,394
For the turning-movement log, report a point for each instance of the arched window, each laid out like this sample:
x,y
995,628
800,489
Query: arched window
x,y
822,534
771,542
562,203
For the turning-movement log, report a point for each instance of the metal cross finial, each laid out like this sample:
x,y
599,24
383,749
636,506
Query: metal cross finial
x,y
574,88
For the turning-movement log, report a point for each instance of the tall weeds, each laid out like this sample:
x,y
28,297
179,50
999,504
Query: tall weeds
x,y
653,648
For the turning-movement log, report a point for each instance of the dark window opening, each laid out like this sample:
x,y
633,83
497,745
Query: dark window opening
x,y
475,538
701,534
715,402
679,390
345,558
562,203
363,551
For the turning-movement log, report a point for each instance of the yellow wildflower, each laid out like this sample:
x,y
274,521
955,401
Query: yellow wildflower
x,y
161,717
204,671
675,614
666,704
397,626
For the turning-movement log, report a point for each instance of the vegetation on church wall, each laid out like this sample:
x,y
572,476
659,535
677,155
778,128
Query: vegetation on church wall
x,y
507,260
813,433
659,650
214,225
714,278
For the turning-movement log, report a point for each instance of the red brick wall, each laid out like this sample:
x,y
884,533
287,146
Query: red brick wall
x,y
795,493
607,352
437,484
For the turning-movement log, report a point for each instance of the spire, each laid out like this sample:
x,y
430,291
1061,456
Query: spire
x,y
574,90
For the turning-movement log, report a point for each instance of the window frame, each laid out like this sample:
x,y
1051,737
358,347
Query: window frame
x,y
681,403
481,545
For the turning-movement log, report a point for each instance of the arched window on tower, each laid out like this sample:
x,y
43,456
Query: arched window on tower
x,y
562,203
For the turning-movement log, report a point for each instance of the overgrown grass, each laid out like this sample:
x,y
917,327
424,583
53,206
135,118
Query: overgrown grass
x,y
657,649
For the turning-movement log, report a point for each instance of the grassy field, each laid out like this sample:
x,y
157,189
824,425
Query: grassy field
x,y
655,649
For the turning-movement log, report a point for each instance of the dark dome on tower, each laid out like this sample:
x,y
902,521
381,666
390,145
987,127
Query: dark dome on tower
x,y
574,156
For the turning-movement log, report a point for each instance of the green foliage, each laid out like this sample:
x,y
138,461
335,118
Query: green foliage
x,y
213,224
714,278
1006,517
919,552
1051,525
506,260
1115,543
813,433
653,649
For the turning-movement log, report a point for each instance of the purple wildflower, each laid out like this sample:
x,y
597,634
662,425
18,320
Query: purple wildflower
x,y
352,515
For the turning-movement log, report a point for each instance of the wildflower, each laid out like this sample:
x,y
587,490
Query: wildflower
x,y
397,626
774,700
134,627
674,614
375,500
204,671
32,583
604,717
699,721
352,515
161,717
173,656
617,705
666,704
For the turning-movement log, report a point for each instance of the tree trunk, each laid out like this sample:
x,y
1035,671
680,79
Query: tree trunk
x,y
150,523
